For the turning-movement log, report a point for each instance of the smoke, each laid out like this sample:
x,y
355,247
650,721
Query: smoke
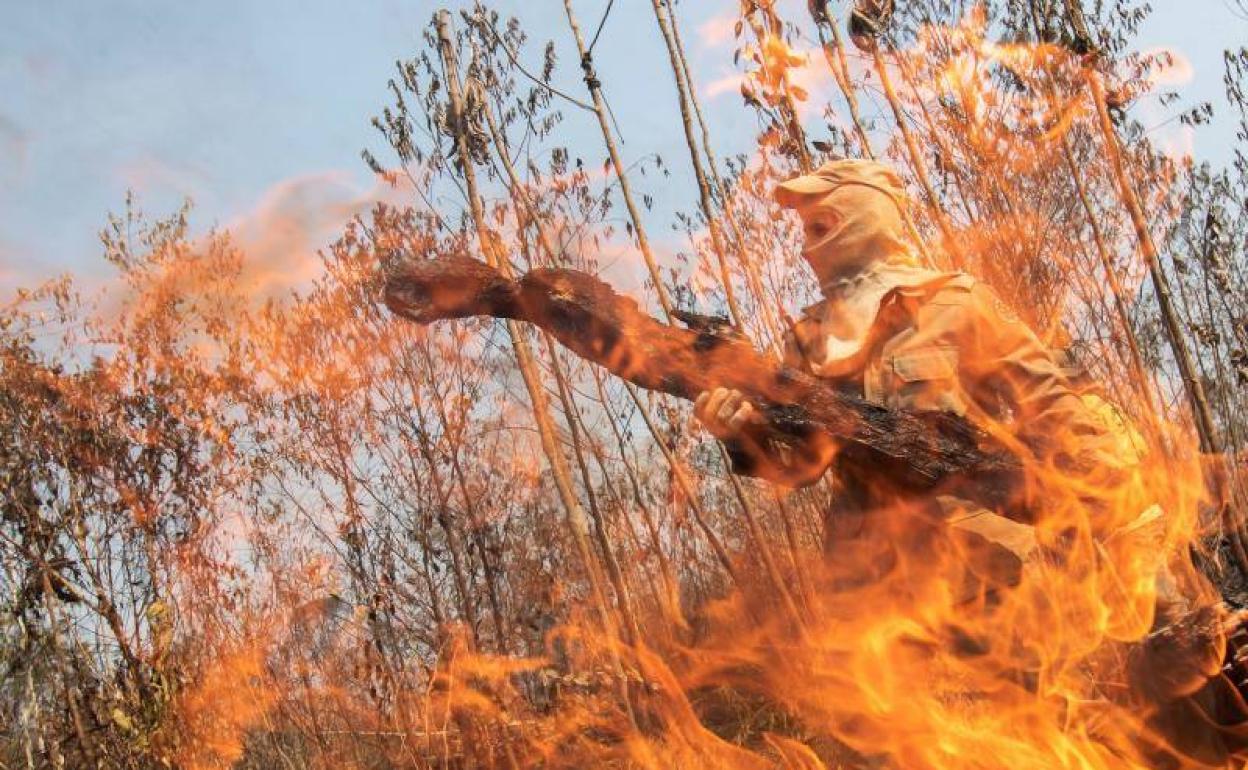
x,y
280,238
717,30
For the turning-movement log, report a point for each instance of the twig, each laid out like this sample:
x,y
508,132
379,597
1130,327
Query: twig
x,y
601,24
516,62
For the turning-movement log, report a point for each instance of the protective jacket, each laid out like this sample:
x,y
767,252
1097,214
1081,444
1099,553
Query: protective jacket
x,y
906,337
945,341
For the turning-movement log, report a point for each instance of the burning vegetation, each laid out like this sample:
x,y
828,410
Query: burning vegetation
x,y
240,531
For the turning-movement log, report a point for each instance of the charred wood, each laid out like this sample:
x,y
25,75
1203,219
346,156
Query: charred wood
x,y
913,452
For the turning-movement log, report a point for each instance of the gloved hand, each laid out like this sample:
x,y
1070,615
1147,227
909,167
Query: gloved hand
x,y
725,412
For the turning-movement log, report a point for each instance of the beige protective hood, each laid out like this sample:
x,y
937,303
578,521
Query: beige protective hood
x,y
862,256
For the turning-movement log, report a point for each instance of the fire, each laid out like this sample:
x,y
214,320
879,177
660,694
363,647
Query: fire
x,y
911,647
936,642
1015,127
215,715
933,634
1068,629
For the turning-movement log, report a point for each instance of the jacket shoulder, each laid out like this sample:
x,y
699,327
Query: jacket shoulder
x,y
976,296
956,285
950,293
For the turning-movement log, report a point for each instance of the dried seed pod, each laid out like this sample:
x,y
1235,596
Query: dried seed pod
x,y
867,21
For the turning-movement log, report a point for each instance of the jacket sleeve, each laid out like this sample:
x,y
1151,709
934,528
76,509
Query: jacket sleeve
x,y
1003,359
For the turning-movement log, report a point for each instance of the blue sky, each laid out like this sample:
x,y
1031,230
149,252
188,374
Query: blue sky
x,y
258,110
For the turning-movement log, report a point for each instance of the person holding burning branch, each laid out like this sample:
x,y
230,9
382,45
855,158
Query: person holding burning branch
x,y
997,534
908,337
902,335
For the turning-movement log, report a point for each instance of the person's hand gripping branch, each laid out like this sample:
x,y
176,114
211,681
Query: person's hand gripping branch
x,y
729,416
725,413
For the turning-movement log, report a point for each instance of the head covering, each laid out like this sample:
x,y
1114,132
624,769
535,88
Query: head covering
x,y
862,205
862,255
836,173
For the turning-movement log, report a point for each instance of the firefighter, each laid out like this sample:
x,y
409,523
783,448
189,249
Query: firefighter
x,y
900,334
905,336
897,333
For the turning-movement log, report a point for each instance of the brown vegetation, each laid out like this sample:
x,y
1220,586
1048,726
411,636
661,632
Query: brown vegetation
x,y
310,534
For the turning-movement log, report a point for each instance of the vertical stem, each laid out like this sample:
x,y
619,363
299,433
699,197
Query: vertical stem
x,y
28,714
661,597
795,550
1206,429
595,87
600,109
518,194
669,577
546,243
751,270
624,599
916,157
426,554
1138,375
576,518
461,481
704,193
86,745
686,488
834,55
774,327
765,551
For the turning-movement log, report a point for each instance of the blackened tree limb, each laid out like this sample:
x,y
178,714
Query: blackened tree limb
x,y
924,452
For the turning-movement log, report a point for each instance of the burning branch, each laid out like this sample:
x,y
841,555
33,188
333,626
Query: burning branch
x,y
914,451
